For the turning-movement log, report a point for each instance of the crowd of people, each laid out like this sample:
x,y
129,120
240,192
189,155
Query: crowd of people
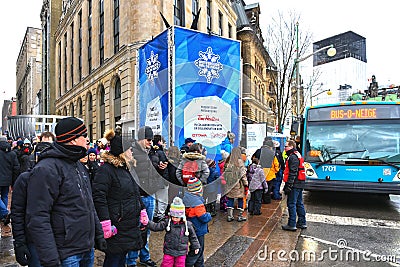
x,y
70,197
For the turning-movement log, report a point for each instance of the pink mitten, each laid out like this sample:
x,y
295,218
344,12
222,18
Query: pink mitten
x,y
106,225
144,219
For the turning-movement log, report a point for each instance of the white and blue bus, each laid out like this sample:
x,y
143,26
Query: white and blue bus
x,y
352,146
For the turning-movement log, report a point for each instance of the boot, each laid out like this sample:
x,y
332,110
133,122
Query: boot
x,y
230,214
241,218
212,209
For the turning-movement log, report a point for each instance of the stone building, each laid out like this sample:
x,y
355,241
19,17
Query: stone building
x,y
95,52
28,73
259,71
50,16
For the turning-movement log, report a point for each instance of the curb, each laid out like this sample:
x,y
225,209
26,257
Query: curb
x,y
241,248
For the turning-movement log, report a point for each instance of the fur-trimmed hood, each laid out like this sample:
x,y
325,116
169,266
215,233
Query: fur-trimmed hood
x,y
117,161
193,156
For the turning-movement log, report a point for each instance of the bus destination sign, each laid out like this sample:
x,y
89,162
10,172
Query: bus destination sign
x,y
354,112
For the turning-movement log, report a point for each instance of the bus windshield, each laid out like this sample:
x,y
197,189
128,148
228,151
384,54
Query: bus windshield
x,y
353,139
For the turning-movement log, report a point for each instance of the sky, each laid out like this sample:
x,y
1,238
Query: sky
x,y
377,22
16,16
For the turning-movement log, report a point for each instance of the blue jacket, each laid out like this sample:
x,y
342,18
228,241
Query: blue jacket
x,y
196,213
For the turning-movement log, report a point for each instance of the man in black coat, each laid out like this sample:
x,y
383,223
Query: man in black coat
x,y
60,215
8,172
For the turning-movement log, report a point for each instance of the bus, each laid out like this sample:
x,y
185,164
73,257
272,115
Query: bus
x,y
353,146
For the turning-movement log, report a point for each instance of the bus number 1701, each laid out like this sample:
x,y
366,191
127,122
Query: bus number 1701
x,y
329,168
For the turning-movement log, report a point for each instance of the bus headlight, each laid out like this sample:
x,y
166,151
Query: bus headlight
x,y
310,172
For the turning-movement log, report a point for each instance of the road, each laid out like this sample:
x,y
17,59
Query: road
x,y
349,230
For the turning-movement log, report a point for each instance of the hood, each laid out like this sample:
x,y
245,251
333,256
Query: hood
x,y
5,146
67,152
117,161
191,200
193,156
226,141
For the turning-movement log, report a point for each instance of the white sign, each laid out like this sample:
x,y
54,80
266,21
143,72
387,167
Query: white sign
x,y
154,115
255,136
207,120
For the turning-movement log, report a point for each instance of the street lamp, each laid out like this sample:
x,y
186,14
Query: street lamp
x,y
331,51
328,92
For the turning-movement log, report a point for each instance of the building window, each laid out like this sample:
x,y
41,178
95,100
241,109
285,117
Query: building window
x,y
179,14
116,26
90,37
209,16
101,32
80,108
118,89
89,102
229,30
71,109
117,101
65,63
72,55
59,68
220,19
195,8
102,104
80,46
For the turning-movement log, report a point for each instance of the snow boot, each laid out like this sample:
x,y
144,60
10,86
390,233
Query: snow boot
x,y
230,214
241,218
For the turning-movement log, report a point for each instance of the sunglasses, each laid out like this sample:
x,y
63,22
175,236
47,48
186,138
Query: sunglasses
x,y
149,140
84,135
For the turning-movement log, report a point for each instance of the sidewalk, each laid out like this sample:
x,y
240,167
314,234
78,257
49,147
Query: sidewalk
x,y
227,244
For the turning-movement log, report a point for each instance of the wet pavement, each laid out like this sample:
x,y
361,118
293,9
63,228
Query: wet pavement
x,y
227,244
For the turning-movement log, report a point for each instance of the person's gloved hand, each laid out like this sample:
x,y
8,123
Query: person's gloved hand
x,y
22,254
144,219
108,229
100,243
287,188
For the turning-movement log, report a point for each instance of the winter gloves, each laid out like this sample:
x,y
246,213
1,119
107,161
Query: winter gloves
x,y
108,229
144,219
22,253
287,188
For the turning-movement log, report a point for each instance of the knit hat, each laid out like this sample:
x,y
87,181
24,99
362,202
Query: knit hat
x,y
92,150
3,138
177,208
115,142
20,143
145,132
103,141
69,129
231,135
26,141
195,186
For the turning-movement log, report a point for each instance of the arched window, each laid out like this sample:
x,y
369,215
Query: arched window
x,y
117,91
117,101
80,111
102,105
65,112
89,102
71,109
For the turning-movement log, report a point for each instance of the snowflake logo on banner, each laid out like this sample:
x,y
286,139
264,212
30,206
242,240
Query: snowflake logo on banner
x,y
152,67
208,64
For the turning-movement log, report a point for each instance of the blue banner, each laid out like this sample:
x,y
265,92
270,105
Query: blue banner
x,y
206,89
153,85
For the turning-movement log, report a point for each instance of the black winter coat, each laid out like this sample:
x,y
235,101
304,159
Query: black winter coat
x,y
176,243
9,164
147,178
116,197
18,207
60,214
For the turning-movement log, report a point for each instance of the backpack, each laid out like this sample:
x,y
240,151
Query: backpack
x,y
190,169
232,175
